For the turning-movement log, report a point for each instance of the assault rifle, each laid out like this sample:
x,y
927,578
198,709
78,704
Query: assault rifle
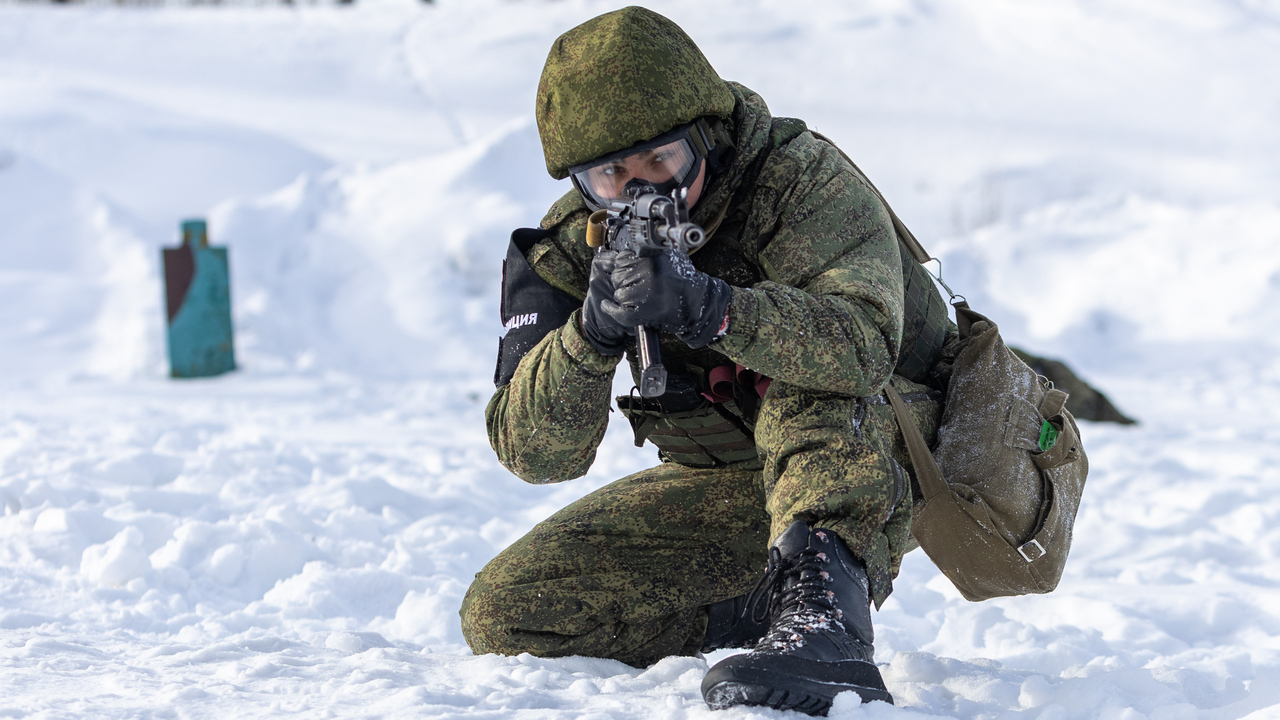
x,y
646,223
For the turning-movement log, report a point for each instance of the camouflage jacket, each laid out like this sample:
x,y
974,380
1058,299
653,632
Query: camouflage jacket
x,y
813,259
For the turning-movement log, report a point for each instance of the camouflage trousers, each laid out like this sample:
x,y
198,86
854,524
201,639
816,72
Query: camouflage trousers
x,y
627,572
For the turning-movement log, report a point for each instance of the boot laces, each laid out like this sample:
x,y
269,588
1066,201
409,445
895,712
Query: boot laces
x,y
803,604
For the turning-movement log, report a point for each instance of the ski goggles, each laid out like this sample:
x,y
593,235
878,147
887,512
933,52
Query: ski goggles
x,y
668,163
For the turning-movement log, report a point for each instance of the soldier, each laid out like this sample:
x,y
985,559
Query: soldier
x,y
782,506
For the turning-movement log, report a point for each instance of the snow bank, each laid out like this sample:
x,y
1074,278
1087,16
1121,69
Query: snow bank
x,y
1164,272
374,270
295,538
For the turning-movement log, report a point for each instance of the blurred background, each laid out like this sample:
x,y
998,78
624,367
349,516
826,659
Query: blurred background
x,y
1093,175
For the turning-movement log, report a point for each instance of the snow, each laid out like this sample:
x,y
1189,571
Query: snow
x,y
295,538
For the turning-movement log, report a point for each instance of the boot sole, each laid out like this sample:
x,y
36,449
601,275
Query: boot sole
x,y
806,686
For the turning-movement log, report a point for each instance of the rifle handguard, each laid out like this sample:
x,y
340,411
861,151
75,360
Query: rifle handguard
x,y
646,225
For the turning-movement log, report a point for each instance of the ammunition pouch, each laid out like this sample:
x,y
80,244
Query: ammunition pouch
x,y
687,428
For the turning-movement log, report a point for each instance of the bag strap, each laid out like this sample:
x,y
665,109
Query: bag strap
x,y
927,472
904,234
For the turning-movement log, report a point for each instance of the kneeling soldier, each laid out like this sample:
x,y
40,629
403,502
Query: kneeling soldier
x,y
782,507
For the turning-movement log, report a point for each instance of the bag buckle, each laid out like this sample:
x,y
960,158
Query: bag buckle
x,y
1032,551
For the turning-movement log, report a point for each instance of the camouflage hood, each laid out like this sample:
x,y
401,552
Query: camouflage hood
x,y
619,79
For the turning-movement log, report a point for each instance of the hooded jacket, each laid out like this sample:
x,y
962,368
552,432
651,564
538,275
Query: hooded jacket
x,y
812,257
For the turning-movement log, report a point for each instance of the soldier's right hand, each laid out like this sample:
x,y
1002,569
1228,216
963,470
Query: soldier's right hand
x,y
603,332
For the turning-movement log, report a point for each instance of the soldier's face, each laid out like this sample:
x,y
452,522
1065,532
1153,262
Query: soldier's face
x,y
667,164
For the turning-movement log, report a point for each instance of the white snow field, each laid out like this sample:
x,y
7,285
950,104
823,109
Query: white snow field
x,y
294,539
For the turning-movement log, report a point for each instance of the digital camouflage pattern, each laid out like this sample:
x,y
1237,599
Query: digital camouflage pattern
x,y
561,392
628,571
817,306
838,462
817,294
813,259
619,79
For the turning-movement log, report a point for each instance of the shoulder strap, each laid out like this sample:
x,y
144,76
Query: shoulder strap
x,y
904,233
926,468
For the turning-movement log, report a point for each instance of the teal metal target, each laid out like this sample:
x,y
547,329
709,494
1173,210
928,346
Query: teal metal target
x,y
198,299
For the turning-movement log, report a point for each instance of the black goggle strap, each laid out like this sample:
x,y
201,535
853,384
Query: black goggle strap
x,y
702,142
717,143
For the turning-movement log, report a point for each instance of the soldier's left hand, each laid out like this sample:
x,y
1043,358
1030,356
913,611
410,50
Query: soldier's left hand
x,y
667,293
600,329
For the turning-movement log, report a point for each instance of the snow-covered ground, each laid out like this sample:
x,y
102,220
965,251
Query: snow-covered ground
x,y
294,539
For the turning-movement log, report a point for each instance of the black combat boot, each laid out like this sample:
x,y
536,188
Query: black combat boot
x,y
820,639
730,625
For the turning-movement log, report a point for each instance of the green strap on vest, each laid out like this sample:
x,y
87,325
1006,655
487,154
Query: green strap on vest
x,y
924,321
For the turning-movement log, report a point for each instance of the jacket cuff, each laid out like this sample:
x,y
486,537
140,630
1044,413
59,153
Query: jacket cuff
x,y
581,350
744,316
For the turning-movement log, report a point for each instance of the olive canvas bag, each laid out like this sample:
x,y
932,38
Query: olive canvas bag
x,y
1001,487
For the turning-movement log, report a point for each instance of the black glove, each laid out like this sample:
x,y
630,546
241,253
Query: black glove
x,y
666,292
602,331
